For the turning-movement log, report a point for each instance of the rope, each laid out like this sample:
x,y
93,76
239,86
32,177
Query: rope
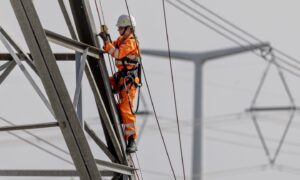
x,y
152,103
173,87
138,161
102,12
138,48
98,13
135,173
99,17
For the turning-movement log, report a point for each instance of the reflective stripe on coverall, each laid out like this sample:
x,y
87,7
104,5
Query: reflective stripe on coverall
x,y
119,49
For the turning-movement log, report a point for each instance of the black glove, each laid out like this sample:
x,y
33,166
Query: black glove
x,y
103,36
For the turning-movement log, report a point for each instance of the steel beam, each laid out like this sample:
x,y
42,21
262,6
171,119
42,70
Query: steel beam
x,y
18,49
5,65
98,141
92,52
26,73
7,71
279,108
114,167
86,30
55,88
29,126
58,56
203,56
73,44
67,19
105,119
43,173
79,79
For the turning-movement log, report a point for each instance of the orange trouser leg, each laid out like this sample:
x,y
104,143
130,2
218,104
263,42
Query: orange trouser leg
x,y
128,118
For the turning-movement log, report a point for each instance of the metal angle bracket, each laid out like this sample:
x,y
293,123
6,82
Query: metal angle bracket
x,y
79,78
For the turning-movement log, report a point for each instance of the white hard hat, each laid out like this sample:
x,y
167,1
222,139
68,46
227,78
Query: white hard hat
x,y
124,21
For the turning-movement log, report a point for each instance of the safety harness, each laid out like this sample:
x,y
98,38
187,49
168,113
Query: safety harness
x,y
129,75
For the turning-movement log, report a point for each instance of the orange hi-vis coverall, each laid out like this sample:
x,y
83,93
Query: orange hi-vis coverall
x,y
126,53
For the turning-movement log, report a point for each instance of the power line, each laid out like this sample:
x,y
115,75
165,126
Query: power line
x,y
239,170
221,33
173,87
37,146
242,30
151,100
37,137
246,135
111,63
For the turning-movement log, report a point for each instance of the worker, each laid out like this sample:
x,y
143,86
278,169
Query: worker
x,y
125,81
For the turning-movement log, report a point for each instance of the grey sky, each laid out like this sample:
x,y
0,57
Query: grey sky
x,y
231,142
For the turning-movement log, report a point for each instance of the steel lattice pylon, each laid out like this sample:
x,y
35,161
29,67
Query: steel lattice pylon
x,y
43,62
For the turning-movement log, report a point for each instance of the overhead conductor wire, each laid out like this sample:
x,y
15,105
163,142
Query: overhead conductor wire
x,y
152,103
243,31
173,87
228,37
36,145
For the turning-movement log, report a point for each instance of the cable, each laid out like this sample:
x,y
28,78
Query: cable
x,y
207,25
237,170
152,103
138,161
173,87
99,17
214,22
241,30
158,124
231,32
247,135
41,148
221,33
35,136
98,13
136,174
102,12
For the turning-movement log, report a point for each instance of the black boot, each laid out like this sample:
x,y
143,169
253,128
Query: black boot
x,y
131,146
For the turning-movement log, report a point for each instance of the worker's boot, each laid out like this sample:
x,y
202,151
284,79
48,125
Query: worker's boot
x,y
131,146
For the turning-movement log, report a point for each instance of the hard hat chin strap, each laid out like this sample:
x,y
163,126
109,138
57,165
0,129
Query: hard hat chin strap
x,y
125,29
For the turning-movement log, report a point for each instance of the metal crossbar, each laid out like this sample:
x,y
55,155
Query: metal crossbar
x,y
5,65
26,73
29,126
7,71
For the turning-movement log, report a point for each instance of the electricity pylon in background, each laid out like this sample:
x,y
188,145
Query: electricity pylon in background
x,y
199,59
